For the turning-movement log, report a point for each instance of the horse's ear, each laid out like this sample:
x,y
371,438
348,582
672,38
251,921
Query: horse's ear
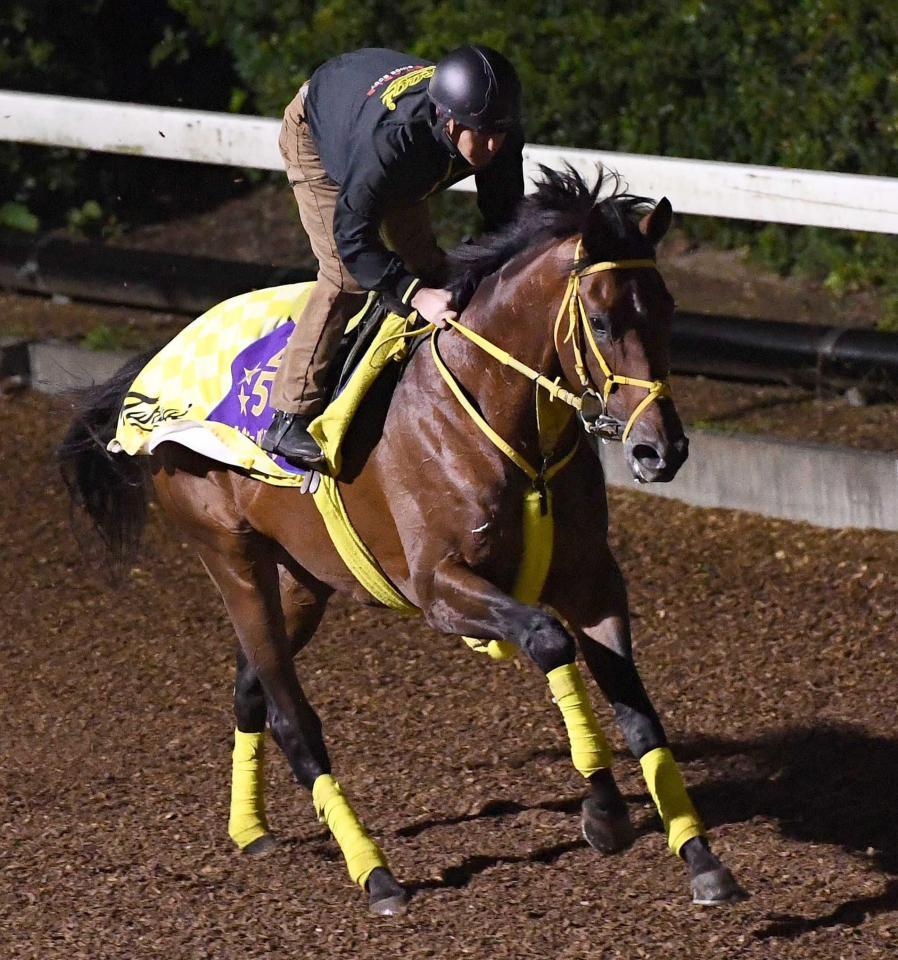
x,y
654,225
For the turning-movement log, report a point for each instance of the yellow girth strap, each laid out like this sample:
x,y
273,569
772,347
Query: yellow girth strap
x,y
537,507
354,553
665,783
537,512
538,531
538,534
247,817
361,853
589,748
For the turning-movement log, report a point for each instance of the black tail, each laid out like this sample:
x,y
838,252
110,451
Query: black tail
x,y
111,487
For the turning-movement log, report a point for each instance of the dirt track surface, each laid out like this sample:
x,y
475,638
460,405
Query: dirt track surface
x,y
769,647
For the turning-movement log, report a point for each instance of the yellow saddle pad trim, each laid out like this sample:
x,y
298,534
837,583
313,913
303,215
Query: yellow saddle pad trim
x,y
184,382
330,427
187,378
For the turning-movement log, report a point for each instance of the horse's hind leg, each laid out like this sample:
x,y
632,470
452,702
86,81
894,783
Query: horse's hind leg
x,y
247,823
247,578
303,607
607,649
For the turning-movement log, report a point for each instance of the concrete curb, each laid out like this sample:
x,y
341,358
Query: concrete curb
x,y
56,366
825,486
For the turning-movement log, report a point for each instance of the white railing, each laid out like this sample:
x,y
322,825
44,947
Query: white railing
x,y
772,194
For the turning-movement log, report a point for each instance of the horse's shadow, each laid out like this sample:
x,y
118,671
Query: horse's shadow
x,y
831,784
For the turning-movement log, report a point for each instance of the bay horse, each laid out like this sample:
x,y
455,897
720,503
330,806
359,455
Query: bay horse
x,y
434,477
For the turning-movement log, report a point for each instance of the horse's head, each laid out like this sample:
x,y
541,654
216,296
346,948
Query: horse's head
x,y
613,335
613,324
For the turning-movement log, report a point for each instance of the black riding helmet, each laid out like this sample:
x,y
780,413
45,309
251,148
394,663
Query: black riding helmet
x,y
478,87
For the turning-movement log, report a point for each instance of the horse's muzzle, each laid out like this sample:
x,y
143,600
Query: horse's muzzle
x,y
657,461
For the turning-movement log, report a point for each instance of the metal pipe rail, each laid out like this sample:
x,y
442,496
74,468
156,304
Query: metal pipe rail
x,y
778,352
756,350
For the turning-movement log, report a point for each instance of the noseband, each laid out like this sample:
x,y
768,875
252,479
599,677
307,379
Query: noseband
x,y
601,423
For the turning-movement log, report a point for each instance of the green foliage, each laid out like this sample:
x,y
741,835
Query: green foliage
x,y
17,216
139,50
749,81
103,337
86,219
888,322
809,84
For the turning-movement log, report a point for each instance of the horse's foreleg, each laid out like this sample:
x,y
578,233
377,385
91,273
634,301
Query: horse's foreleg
x,y
607,649
470,605
465,603
247,578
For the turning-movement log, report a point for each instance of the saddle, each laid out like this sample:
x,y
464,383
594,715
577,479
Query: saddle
x,y
376,337
208,388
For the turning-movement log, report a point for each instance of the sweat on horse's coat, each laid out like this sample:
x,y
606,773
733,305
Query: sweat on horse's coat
x,y
419,476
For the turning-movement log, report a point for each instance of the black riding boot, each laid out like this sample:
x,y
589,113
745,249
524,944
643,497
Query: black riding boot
x,y
289,437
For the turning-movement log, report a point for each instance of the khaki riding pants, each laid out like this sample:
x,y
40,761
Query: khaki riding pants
x,y
299,386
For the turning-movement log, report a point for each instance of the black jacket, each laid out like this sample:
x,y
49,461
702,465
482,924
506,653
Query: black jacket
x,y
377,136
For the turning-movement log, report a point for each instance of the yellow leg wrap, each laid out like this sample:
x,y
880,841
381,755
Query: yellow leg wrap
x,y
247,819
497,649
665,783
589,748
361,853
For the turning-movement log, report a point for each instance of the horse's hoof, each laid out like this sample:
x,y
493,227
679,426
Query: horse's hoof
x,y
716,886
386,896
261,846
604,831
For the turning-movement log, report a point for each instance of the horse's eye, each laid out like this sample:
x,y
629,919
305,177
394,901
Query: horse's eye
x,y
601,325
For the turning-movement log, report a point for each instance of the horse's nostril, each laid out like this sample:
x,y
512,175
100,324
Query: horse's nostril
x,y
648,456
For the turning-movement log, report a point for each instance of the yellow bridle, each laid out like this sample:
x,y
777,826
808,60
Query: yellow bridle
x,y
578,324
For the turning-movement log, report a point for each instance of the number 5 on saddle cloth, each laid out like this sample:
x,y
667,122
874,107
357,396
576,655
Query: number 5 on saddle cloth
x,y
208,388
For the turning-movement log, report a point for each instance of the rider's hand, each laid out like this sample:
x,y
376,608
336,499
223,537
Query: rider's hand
x,y
435,306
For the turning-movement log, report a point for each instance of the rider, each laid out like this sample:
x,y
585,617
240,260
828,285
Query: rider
x,y
365,141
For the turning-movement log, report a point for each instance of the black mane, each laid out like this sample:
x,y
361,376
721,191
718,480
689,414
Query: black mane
x,y
563,204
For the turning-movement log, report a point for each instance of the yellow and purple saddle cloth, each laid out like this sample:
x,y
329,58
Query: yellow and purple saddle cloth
x,y
208,388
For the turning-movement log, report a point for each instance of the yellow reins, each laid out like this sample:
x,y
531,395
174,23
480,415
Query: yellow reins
x,y
536,558
552,387
537,476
